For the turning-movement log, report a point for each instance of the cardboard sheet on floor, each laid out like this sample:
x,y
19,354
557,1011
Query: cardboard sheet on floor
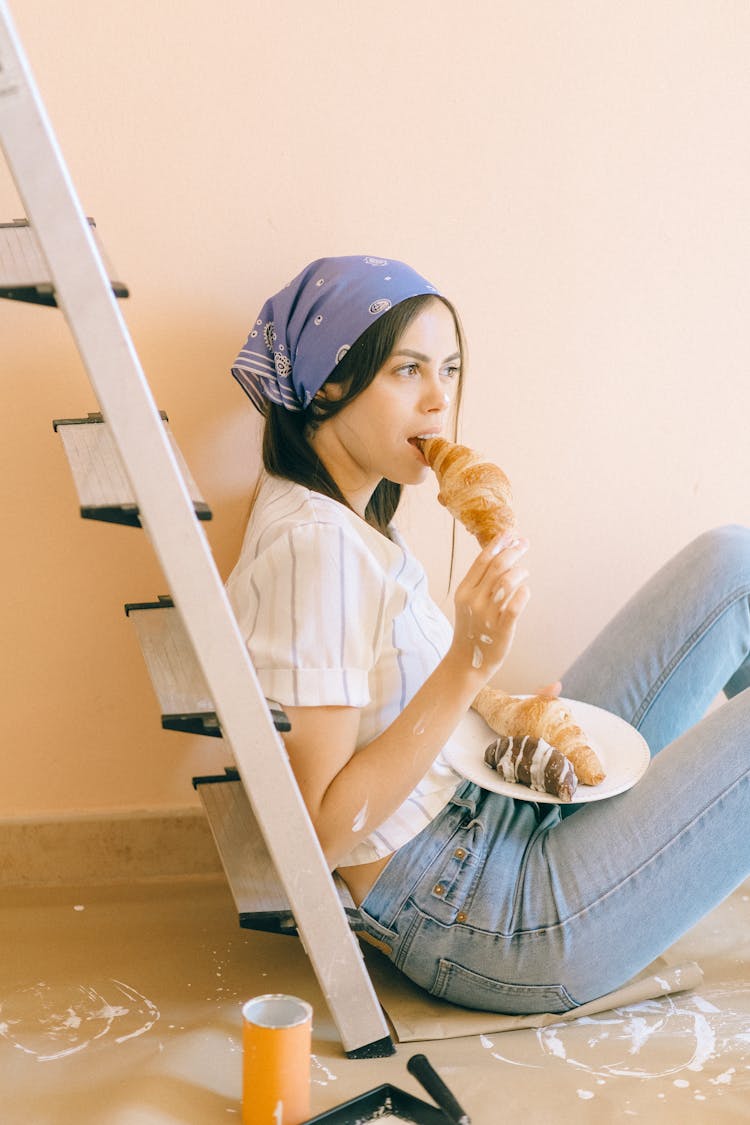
x,y
416,1016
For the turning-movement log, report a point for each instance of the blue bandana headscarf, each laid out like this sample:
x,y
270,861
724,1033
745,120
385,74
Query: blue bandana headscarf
x,y
303,331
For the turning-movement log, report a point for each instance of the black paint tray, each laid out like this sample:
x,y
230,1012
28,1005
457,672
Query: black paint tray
x,y
369,1107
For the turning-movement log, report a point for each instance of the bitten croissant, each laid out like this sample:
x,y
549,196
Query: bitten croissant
x,y
477,493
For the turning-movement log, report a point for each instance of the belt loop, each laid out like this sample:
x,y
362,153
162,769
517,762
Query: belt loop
x,y
467,797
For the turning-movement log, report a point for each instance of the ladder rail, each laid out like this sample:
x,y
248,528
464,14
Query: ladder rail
x,y
85,297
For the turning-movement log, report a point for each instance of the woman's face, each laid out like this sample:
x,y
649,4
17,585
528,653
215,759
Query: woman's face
x,y
411,396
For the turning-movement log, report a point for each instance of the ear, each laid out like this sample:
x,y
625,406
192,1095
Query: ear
x,y
330,391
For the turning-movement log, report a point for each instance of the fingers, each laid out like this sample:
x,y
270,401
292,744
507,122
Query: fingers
x,y
495,559
517,602
510,582
494,581
551,691
503,575
489,601
508,614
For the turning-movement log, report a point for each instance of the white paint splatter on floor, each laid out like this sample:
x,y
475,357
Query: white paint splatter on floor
x,y
676,1038
51,1022
321,1075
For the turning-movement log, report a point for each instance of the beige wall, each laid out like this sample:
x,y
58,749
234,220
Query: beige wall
x,y
576,175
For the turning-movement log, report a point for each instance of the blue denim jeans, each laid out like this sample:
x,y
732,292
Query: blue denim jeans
x,y
516,907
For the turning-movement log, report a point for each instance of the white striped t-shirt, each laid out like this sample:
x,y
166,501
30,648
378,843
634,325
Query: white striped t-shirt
x,y
335,614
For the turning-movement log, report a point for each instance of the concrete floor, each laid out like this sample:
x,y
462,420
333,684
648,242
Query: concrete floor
x,y
120,1005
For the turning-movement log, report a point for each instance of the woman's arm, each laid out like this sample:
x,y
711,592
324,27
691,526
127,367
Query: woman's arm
x,y
347,794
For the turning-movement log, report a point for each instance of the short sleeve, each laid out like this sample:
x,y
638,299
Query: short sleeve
x,y
311,611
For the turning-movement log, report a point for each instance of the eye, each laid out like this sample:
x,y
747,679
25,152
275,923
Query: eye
x,y
408,370
452,371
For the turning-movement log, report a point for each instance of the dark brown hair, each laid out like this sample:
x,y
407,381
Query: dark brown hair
x,y
288,453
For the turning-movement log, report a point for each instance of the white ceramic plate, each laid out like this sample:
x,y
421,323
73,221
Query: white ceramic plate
x,y
621,749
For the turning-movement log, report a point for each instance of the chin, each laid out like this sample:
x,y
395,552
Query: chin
x,y
418,475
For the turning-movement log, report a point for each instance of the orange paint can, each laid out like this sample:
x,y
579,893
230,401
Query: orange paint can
x,y
276,1042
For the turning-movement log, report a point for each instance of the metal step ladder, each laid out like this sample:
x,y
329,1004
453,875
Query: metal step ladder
x,y
77,281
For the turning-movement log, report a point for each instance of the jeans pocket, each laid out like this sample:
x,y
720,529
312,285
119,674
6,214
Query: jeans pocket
x,y
469,989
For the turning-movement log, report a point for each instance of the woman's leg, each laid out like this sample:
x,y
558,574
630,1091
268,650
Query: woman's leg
x,y
678,643
605,891
513,916
516,917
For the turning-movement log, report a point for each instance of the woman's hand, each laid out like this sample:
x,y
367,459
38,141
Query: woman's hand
x,y
489,602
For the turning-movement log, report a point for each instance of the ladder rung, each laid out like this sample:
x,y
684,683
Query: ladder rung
x,y
207,722
180,686
200,722
104,491
260,899
24,273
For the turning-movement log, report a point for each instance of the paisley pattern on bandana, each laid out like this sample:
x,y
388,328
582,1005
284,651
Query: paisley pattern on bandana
x,y
303,331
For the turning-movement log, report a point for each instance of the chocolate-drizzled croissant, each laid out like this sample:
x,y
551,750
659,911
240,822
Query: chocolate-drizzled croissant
x,y
478,494
533,763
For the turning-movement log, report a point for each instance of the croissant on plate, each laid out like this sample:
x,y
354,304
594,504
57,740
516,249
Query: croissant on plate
x,y
477,493
543,718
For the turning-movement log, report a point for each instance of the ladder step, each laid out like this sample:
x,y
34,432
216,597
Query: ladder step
x,y
104,491
178,680
260,898
24,273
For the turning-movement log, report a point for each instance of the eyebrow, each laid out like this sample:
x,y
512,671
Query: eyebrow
x,y
425,358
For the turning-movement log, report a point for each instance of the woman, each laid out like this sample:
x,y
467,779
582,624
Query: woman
x,y
482,900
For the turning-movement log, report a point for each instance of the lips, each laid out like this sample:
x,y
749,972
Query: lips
x,y
419,438
417,442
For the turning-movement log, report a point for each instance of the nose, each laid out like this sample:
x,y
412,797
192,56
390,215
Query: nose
x,y
436,396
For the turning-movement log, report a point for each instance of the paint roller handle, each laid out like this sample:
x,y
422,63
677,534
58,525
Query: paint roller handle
x,y
424,1072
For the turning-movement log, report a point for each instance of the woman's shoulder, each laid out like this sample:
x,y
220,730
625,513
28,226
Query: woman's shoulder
x,y
295,530
287,515
283,505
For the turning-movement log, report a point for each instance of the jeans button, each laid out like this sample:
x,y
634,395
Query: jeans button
x,y
438,889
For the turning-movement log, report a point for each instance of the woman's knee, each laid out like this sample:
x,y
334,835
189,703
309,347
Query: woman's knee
x,y
723,554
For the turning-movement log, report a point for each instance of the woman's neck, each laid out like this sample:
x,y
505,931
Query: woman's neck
x,y
355,486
